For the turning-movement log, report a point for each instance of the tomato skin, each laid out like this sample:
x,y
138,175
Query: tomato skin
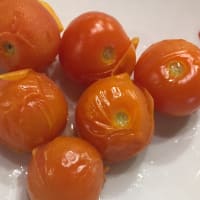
x,y
29,35
66,168
33,110
170,71
116,117
83,55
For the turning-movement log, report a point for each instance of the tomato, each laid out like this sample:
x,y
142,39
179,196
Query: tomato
x,y
67,168
29,35
33,109
116,117
170,71
95,45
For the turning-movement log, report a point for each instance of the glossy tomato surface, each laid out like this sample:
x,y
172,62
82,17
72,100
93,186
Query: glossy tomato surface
x,y
33,109
116,117
170,71
95,45
65,169
29,35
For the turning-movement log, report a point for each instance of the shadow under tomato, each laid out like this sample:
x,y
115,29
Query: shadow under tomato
x,y
71,89
168,126
173,137
13,157
122,176
120,168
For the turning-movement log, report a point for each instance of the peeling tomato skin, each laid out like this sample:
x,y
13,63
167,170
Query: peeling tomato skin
x,y
92,47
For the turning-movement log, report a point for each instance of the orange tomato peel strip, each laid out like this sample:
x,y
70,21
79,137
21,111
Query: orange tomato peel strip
x,y
53,14
135,41
15,75
127,58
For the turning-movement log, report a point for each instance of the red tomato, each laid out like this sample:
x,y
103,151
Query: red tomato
x,y
170,70
33,109
65,169
94,46
116,117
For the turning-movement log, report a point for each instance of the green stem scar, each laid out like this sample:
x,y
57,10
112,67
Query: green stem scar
x,y
8,48
108,55
121,119
175,69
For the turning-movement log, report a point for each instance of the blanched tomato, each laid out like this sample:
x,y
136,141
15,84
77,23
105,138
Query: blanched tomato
x,y
65,169
116,117
93,46
29,35
170,70
33,109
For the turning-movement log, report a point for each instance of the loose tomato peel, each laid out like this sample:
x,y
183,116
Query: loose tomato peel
x,y
128,60
53,13
95,46
15,75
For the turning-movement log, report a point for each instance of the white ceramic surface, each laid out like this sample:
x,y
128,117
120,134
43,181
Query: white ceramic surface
x,y
170,168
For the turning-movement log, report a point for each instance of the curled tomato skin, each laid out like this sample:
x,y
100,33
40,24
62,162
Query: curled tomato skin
x,y
94,46
33,109
116,117
66,168
170,71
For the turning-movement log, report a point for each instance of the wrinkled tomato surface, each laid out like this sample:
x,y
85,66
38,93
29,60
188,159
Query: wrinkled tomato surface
x,y
66,168
33,109
170,71
115,116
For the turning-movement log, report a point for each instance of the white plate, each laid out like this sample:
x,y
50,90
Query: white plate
x,y
170,168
